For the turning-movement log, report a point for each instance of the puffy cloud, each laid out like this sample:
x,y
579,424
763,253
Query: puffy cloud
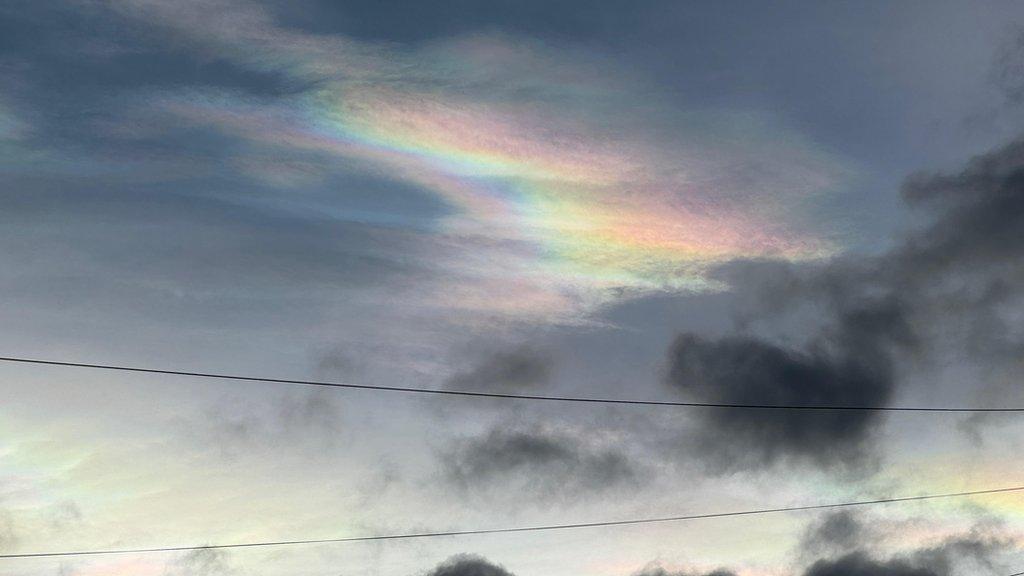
x,y
468,565
857,564
742,370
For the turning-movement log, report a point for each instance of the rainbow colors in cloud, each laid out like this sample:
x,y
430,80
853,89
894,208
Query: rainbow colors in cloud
x,y
594,207
587,207
579,179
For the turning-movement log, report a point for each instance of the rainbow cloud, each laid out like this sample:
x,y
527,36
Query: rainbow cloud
x,y
593,195
594,207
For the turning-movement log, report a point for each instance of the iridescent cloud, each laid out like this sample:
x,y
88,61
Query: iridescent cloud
x,y
599,187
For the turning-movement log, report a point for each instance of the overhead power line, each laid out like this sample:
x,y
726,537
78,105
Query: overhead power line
x,y
511,530
467,393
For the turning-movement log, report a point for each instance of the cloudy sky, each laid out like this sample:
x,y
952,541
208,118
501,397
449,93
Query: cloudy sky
x,y
729,202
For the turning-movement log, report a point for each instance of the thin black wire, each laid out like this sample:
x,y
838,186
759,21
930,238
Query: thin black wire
x,y
511,530
501,395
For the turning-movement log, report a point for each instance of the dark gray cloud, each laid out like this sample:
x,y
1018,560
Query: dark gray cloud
x,y
468,565
846,542
858,564
966,554
969,552
959,273
949,288
964,251
518,367
745,370
979,210
547,464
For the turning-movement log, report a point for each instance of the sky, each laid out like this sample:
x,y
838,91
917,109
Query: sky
x,y
725,202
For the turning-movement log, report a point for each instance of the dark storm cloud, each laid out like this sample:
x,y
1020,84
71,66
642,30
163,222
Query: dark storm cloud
x,y
957,276
948,287
959,269
547,464
743,370
468,565
518,367
857,564
980,211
